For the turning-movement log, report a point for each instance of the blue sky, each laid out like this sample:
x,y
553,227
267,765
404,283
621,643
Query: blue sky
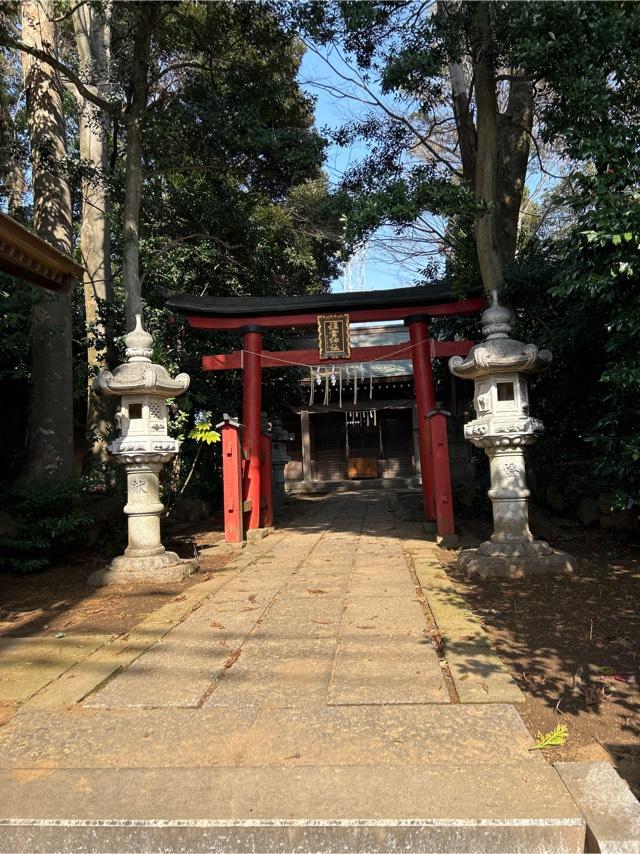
x,y
333,112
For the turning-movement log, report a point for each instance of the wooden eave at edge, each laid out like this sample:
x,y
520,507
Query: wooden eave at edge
x,y
28,257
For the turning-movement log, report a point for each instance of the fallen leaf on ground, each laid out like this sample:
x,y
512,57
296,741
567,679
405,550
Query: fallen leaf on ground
x,y
436,639
231,660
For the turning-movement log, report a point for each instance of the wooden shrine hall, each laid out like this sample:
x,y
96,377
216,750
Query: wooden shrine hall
x,y
246,470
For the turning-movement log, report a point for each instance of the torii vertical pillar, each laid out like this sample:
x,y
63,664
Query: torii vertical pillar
x,y
251,409
425,403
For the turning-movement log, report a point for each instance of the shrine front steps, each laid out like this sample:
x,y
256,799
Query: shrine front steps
x,y
450,808
360,779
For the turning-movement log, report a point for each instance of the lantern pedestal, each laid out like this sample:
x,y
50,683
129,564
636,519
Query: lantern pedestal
x,y
503,428
145,558
160,569
535,558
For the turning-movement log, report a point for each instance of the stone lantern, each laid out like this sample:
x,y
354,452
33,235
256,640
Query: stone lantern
x,y
143,447
503,427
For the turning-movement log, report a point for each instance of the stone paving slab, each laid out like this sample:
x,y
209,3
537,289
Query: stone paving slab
x,y
140,738
314,617
478,674
388,735
393,616
28,664
306,586
386,670
365,584
285,673
183,738
180,667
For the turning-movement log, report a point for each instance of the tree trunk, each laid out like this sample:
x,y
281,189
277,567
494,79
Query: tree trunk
x,y
467,137
93,36
489,258
133,189
12,182
50,431
514,137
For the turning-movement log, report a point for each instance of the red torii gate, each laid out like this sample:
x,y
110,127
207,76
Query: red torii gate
x,y
252,315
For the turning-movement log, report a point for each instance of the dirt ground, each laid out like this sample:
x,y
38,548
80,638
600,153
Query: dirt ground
x,y
573,644
59,600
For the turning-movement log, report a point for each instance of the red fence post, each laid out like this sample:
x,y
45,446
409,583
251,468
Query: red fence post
x,y
445,525
232,480
266,483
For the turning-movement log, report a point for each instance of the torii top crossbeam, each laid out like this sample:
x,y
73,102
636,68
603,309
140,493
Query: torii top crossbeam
x,y
206,312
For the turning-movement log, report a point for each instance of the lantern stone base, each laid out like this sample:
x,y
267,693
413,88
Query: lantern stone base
x,y
164,568
515,560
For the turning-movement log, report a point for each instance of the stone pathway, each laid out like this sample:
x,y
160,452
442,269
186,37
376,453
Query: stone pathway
x,y
298,705
326,616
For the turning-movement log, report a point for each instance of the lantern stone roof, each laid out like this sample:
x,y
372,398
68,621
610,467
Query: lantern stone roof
x,y
499,353
139,374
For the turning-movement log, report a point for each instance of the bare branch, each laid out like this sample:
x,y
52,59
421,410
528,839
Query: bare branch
x,y
177,66
359,83
70,12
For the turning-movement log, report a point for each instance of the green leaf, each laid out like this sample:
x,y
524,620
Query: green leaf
x,y
555,738
204,432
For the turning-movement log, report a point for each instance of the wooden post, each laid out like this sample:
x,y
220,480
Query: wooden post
x,y
445,526
425,401
251,409
232,480
306,446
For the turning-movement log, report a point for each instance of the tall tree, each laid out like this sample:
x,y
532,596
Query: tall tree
x,y
50,437
92,29
449,121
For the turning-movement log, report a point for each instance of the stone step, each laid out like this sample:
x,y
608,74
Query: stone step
x,y
480,808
